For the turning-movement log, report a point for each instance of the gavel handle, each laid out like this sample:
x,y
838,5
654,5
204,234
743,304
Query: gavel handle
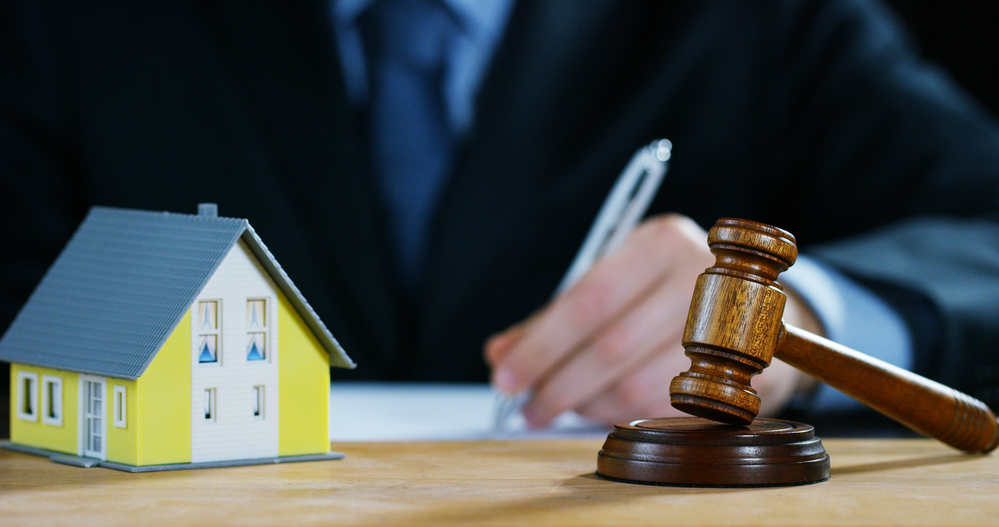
x,y
925,406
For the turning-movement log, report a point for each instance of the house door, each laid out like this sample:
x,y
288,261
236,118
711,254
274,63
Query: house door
x,y
94,410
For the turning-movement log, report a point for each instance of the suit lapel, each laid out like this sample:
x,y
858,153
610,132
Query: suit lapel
x,y
546,141
285,62
538,146
512,158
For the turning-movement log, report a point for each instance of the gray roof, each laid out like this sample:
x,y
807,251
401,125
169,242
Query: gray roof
x,y
123,283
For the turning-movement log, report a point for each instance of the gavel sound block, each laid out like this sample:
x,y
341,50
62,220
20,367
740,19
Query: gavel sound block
x,y
734,329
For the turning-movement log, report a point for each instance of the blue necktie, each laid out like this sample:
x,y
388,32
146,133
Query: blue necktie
x,y
406,42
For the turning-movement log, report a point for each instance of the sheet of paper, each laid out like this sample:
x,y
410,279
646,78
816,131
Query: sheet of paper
x,y
379,411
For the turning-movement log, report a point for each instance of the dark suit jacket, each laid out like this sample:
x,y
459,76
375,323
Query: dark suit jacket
x,y
813,116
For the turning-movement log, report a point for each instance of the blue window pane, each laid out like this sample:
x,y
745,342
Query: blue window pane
x,y
207,347
255,349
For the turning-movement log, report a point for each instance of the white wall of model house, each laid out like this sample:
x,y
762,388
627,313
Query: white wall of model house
x,y
239,427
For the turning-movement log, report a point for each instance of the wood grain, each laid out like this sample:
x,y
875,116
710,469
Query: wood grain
x,y
917,402
734,321
690,451
734,329
874,482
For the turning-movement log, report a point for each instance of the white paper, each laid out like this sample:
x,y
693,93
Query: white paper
x,y
381,411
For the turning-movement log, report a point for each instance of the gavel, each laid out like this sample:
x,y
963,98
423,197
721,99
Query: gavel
x,y
735,327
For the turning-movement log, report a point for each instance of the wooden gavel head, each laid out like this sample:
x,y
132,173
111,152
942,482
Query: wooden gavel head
x,y
734,321
733,330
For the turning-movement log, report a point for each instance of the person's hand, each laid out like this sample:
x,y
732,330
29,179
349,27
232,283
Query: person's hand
x,y
609,347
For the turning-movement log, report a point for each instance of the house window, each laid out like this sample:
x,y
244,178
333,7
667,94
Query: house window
x,y
256,329
208,331
210,404
52,400
27,396
120,407
258,402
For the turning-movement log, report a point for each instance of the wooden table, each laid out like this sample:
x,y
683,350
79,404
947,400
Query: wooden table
x,y
874,482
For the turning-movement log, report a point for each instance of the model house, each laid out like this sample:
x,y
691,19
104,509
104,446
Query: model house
x,y
159,341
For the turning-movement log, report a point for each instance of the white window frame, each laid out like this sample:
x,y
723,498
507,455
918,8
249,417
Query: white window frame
x,y
120,408
259,394
265,330
54,403
211,405
217,332
22,378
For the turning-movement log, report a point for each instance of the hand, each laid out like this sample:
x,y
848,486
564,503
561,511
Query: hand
x,y
609,346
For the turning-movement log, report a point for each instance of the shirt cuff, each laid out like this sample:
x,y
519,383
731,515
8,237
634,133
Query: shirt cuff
x,y
852,316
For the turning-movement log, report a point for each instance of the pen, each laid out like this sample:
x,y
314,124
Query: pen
x,y
621,211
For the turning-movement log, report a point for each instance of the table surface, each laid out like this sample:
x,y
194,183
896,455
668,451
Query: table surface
x,y
874,482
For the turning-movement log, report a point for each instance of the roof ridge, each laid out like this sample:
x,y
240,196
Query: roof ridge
x,y
110,287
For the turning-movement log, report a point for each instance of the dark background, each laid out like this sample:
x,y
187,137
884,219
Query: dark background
x,y
959,36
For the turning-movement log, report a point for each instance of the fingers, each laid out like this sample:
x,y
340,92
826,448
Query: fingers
x,y
614,283
777,385
610,346
642,392
629,309
576,315
779,382
499,345
648,327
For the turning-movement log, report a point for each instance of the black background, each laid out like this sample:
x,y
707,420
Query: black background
x,y
958,36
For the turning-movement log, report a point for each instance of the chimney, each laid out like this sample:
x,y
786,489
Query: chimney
x,y
208,209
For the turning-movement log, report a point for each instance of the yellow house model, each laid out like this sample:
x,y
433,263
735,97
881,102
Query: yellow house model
x,y
160,341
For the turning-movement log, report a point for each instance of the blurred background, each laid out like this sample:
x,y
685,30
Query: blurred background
x,y
960,37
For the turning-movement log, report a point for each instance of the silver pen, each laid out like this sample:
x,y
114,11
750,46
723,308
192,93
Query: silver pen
x,y
623,208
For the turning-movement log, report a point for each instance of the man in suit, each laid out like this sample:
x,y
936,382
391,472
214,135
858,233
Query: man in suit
x,y
813,116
